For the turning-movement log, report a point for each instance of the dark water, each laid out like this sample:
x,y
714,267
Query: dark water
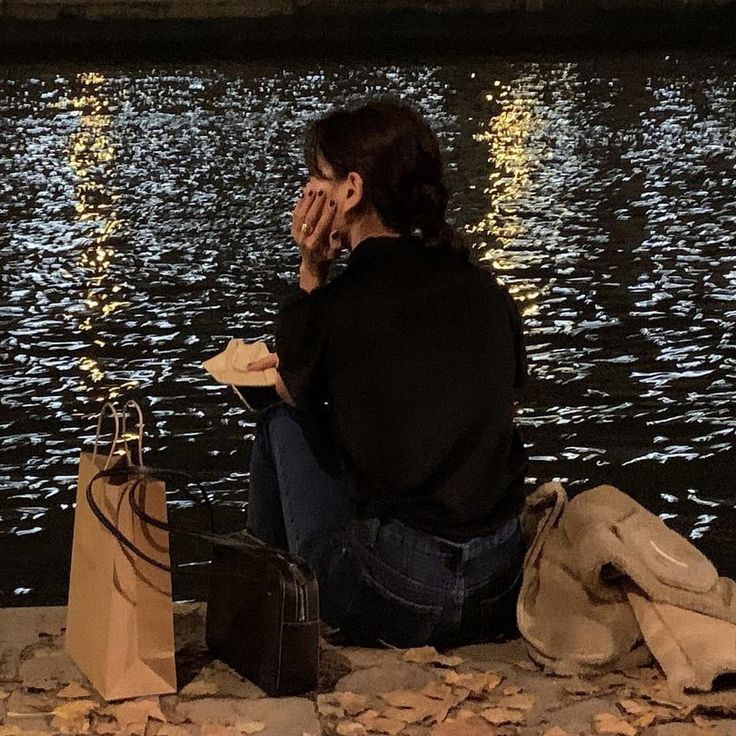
x,y
144,221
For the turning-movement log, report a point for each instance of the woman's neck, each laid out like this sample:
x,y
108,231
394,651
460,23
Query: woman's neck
x,y
368,227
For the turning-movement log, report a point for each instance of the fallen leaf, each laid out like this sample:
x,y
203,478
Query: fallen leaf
x,y
520,701
511,690
328,710
499,716
415,730
352,703
463,727
476,682
136,711
75,710
380,724
527,664
633,707
73,717
645,719
199,689
370,713
250,726
464,713
436,690
73,690
399,714
103,725
418,707
555,731
406,699
350,728
702,722
576,686
609,723
3,695
421,655
429,655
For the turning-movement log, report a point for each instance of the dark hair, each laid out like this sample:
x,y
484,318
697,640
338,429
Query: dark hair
x,y
398,156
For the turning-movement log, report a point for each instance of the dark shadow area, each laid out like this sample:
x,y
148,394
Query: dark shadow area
x,y
399,34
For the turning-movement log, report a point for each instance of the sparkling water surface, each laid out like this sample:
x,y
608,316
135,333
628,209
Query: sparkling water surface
x,y
144,217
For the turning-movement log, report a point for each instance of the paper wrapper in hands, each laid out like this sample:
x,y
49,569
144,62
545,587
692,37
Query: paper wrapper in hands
x,y
231,365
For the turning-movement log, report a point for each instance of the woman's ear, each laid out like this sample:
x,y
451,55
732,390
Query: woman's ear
x,y
353,191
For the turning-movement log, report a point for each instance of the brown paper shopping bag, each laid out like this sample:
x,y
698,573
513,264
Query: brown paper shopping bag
x,y
120,618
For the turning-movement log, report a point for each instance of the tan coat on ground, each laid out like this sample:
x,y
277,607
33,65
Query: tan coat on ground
x,y
604,577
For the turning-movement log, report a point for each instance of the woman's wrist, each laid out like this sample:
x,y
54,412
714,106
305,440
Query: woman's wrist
x,y
311,277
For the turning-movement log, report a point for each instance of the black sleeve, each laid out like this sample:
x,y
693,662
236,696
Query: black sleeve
x,y
300,343
521,370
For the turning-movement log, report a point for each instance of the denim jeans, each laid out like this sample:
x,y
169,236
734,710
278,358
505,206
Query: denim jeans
x,y
379,580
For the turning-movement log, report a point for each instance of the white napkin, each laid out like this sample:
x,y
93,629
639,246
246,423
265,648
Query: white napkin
x,y
230,366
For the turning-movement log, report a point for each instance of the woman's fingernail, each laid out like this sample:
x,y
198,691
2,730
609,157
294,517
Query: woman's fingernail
x,y
320,192
332,203
335,235
310,193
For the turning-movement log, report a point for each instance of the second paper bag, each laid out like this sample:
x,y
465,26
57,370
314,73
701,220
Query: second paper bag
x,y
120,615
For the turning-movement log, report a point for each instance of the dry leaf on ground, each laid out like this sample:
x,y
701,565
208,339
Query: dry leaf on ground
x,y
436,690
464,727
416,707
499,716
576,686
75,710
520,701
511,690
328,710
103,725
136,711
4,694
199,689
429,655
352,703
73,690
555,731
645,720
377,723
633,707
350,728
609,723
476,682
63,725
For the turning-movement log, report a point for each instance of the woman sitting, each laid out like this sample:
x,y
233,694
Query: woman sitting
x,y
393,466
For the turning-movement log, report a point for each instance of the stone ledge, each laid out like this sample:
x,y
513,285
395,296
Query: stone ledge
x,y
477,690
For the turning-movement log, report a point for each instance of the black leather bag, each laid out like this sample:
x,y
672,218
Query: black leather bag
x,y
262,606
263,615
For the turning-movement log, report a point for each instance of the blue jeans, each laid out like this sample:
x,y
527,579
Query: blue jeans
x,y
379,580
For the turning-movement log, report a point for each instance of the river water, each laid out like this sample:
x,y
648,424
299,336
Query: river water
x,y
144,221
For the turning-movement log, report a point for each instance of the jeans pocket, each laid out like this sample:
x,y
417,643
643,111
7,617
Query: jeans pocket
x,y
498,608
379,614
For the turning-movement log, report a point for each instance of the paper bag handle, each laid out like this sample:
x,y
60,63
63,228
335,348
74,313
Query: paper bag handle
x,y
116,419
133,403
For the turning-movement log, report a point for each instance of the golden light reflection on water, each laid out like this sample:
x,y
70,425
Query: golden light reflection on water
x,y
91,154
507,136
